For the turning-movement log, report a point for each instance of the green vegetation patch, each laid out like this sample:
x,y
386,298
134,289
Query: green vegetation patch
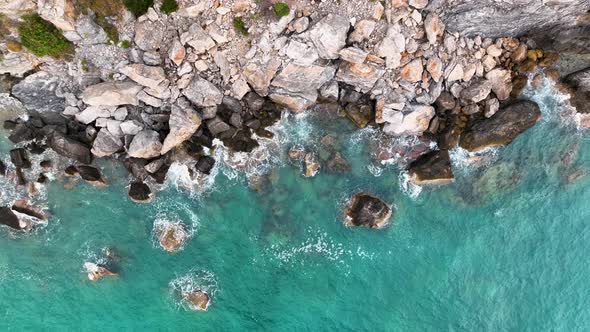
x,y
281,9
240,26
125,44
169,6
43,38
138,7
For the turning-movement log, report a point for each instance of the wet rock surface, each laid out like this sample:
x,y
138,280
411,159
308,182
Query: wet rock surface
x,y
432,167
367,210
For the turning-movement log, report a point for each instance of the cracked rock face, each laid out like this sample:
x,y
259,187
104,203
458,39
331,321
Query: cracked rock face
x,y
111,94
37,92
329,35
183,124
105,144
146,144
202,93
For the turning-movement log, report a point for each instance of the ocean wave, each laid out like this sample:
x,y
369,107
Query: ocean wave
x,y
407,186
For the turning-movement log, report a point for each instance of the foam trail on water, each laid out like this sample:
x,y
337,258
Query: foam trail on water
x,y
407,186
194,280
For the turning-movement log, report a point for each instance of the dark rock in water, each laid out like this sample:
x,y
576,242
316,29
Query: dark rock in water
x,y
579,83
338,164
203,137
365,209
42,178
20,177
360,115
264,133
253,101
69,147
97,271
8,218
230,104
35,148
252,124
136,166
172,236
432,167
90,174
2,168
71,170
21,206
160,174
205,164
9,124
216,126
37,92
139,192
198,299
46,164
19,158
502,127
21,133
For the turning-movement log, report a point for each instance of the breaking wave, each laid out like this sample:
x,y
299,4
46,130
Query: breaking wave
x,y
194,280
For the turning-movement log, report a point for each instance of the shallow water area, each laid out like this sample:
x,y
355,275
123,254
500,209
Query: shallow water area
x,y
500,248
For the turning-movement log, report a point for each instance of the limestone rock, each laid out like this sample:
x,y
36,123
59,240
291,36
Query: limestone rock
x,y
17,64
197,38
415,120
501,82
434,27
296,86
367,210
105,144
434,66
260,73
392,46
362,31
353,55
37,92
202,93
59,12
91,113
139,192
361,75
69,147
329,35
131,127
183,124
432,167
412,72
477,91
148,76
502,127
146,144
111,94
149,35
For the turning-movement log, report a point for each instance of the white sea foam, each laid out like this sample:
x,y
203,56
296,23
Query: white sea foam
x,y
164,220
407,186
194,280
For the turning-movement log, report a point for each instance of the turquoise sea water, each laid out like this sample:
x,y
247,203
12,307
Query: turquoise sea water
x,y
503,248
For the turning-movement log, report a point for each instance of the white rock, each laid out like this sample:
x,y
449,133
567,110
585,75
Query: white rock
x,y
329,35
149,100
240,88
353,54
434,27
148,76
392,46
146,144
301,53
183,123
202,93
362,31
105,144
91,113
131,127
177,52
196,37
415,121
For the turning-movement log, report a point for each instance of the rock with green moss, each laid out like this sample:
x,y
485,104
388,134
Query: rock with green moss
x,y
281,9
169,6
240,26
138,7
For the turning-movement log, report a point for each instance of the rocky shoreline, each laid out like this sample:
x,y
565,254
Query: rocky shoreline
x,y
171,87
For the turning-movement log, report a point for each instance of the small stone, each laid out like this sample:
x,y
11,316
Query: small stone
x,y
501,82
434,27
412,72
177,52
362,31
491,107
434,66
367,210
301,24
139,192
131,127
418,4
353,55
494,50
477,91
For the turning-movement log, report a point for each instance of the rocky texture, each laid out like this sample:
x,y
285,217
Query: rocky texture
x,y
8,218
105,144
90,174
198,299
502,127
432,167
97,271
554,24
37,92
183,124
363,75
579,86
172,236
202,93
413,120
69,147
112,94
140,192
146,144
329,35
296,86
367,210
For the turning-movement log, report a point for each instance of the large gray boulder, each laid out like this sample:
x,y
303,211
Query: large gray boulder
x,y
202,93
183,123
296,86
37,92
329,35
105,143
111,94
502,127
69,147
146,145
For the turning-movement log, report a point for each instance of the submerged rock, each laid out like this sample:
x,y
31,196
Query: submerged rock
x,y
365,209
139,192
502,127
172,236
90,174
432,167
198,299
97,271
